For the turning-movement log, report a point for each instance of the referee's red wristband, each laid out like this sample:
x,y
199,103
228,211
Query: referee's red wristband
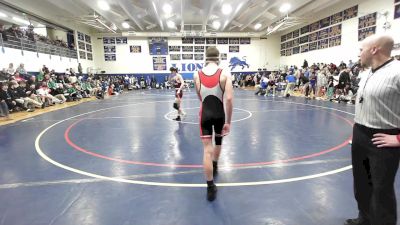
x,y
398,137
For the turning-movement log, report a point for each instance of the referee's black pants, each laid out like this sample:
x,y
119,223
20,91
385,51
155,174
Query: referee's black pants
x,y
374,171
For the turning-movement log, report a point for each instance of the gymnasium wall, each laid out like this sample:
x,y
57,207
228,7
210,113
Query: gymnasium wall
x,y
349,47
33,61
259,54
263,53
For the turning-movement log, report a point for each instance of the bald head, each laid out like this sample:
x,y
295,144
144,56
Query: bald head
x,y
383,43
375,50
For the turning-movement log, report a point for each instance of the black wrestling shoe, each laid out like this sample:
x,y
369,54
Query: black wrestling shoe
x,y
211,192
178,118
357,221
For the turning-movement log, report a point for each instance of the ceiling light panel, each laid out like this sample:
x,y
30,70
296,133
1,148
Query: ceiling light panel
x,y
125,25
226,9
285,8
171,24
167,8
216,24
103,5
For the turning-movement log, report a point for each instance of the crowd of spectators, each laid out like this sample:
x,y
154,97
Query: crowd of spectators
x,y
332,82
17,33
338,83
20,91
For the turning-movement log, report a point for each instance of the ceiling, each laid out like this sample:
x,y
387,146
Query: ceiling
x,y
187,16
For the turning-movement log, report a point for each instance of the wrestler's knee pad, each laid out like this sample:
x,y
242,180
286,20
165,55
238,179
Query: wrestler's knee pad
x,y
176,106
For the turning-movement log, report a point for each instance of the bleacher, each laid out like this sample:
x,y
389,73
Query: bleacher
x,y
36,46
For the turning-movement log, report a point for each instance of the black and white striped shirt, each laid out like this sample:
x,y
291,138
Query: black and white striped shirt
x,y
378,97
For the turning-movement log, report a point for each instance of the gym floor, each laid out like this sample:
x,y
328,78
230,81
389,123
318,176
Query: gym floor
x,y
123,160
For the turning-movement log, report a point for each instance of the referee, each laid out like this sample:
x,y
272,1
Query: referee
x,y
376,140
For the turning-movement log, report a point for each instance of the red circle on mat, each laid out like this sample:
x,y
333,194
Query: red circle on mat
x,y
75,146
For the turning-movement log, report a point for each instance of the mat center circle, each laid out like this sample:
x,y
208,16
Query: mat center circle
x,y
192,115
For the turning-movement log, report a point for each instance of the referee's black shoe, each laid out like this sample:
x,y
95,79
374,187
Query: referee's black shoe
x,y
357,221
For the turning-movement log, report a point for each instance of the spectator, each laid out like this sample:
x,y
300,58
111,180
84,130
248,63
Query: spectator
x,y
351,64
342,64
10,69
15,31
306,84
291,82
21,70
30,34
17,77
271,85
305,64
321,83
44,93
3,75
31,81
32,94
3,33
262,86
344,78
13,91
80,69
313,82
60,92
45,69
25,96
4,110
6,97
73,79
